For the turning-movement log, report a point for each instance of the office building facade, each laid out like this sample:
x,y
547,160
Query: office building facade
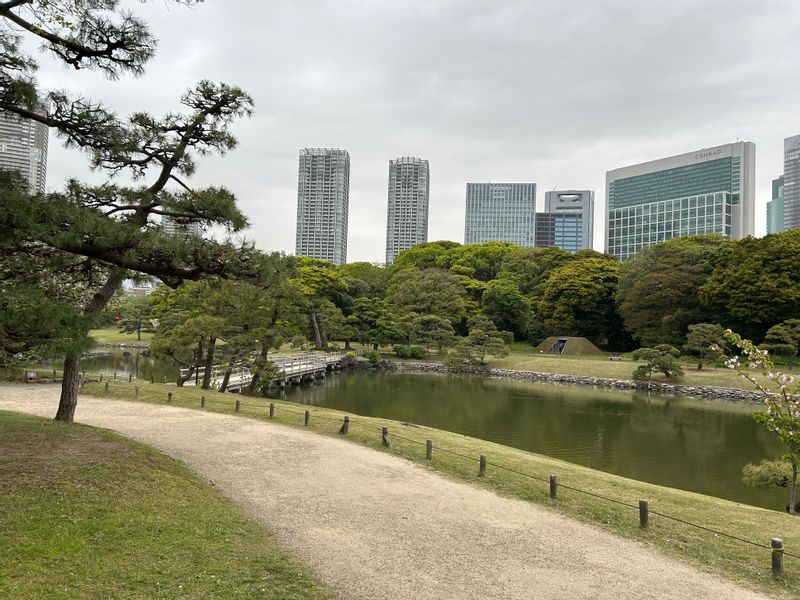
x,y
567,220
407,207
711,190
791,182
775,207
502,212
23,148
323,190
171,227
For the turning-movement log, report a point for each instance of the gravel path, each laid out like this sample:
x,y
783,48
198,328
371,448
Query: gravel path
x,y
377,526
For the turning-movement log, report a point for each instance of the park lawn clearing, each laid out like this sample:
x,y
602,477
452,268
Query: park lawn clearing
x,y
509,471
590,366
112,335
87,513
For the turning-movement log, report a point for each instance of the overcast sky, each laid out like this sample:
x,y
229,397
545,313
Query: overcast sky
x,y
551,91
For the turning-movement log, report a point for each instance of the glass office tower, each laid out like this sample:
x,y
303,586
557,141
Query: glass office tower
x,y
775,207
502,212
707,191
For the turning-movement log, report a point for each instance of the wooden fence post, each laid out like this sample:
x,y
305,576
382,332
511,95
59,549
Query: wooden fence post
x,y
482,467
237,406
385,437
553,487
345,428
54,373
777,556
644,515
101,377
115,374
169,396
202,401
130,377
271,409
306,417
152,378
106,387
428,449
136,391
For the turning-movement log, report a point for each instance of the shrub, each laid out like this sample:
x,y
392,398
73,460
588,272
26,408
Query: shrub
x,y
409,351
373,356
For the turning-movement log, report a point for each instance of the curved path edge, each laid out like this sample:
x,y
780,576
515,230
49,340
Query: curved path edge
x,y
373,525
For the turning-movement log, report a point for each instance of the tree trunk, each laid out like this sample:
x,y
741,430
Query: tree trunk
x,y
69,385
793,490
212,341
139,333
347,344
227,377
69,389
251,389
315,327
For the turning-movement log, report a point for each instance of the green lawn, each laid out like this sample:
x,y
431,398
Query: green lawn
x,y
111,335
738,561
615,369
88,514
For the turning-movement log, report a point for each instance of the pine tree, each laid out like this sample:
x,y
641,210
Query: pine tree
x,y
85,240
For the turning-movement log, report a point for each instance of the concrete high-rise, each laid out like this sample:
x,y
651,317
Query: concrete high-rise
x,y
567,220
323,189
775,208
23,148
407,208
502,212
791,182
711,190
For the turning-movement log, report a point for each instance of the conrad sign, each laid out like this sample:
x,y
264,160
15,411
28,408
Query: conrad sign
x,y
705,154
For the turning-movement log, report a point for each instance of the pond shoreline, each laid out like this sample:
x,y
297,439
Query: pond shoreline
x,y
697,391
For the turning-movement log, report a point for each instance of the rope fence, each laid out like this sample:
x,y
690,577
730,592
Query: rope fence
x,y
775,547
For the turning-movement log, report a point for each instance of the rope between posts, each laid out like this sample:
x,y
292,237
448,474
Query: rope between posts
x,y
580,491
509,469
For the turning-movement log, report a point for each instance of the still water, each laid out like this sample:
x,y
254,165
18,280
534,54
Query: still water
x,y
678,442
124,361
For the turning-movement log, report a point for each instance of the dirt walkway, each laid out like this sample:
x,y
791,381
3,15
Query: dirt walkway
x,y
376,526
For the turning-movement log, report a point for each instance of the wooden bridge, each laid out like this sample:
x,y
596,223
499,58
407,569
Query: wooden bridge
x,y
292,368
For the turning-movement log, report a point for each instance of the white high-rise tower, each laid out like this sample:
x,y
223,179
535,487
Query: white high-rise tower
x,y
407,209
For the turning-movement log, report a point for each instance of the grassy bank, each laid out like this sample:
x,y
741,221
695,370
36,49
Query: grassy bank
x,y
524,475
112,335
615,369
88,514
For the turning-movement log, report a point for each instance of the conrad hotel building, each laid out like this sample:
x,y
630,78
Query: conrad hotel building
x,y
707,191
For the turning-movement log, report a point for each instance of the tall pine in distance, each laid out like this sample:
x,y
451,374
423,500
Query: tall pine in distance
x,y
65,254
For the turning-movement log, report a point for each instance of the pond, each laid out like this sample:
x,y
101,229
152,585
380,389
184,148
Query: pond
x,y
124,361
686,443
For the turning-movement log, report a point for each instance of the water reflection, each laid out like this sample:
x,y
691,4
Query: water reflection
x,y
124,361
679,442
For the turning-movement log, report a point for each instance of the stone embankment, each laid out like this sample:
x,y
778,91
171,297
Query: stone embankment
x,y
711,392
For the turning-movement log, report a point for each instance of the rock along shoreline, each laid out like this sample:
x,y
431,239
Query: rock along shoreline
x,y
707,392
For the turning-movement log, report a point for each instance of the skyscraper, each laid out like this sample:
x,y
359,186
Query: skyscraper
x,y
407,209
775,207
23,148
711,190
567,220
172,227
502,212
323,188
791,182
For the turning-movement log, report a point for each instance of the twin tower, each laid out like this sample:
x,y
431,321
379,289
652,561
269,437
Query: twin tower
x,y
323,189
